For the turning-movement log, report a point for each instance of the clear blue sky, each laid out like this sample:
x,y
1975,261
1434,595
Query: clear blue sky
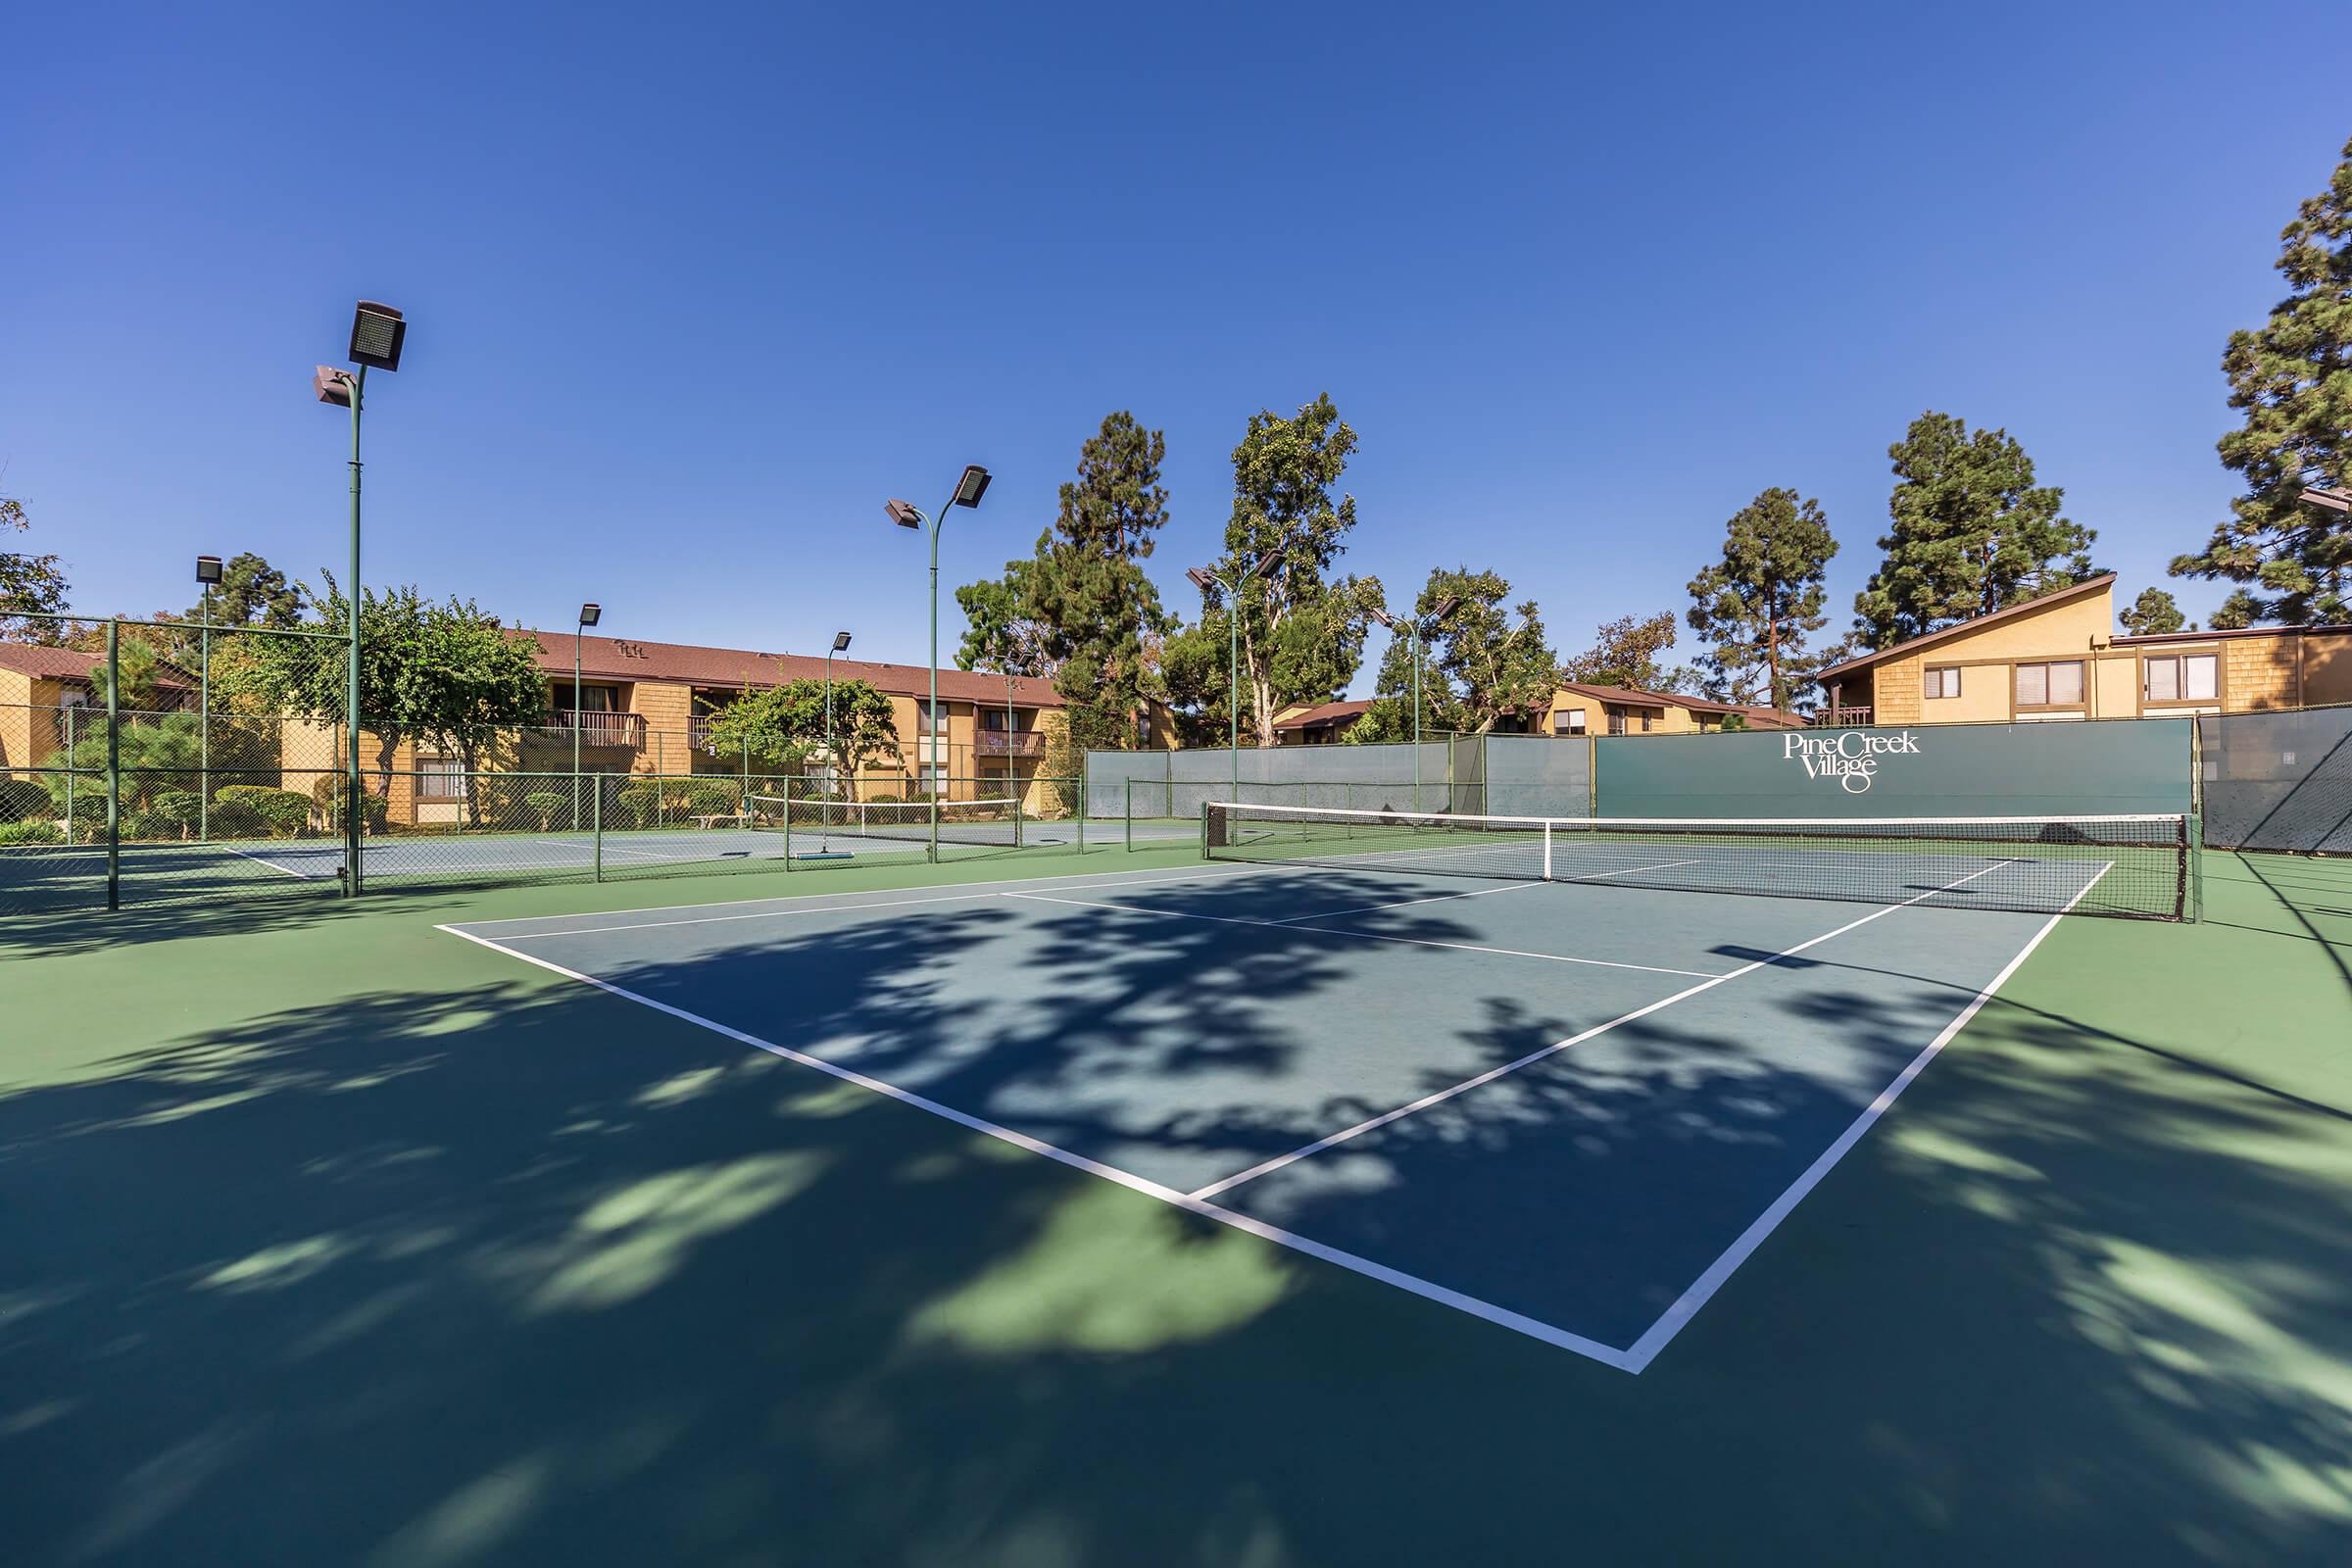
x,y
693,289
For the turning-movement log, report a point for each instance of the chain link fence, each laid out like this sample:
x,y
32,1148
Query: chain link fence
x,y
2277,781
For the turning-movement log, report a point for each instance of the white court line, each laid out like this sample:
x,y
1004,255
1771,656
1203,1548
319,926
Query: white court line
x,y
1501,1316
810,902
1686,1306
1266,1167
262,860
1366,936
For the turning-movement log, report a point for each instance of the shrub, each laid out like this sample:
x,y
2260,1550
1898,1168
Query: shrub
x,y
883,799
545,806
707,799
639,802
22,797
232,819
287,812
175,812
36,830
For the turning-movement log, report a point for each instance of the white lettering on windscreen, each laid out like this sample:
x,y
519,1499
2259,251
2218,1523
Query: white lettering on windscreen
x,y
1850,757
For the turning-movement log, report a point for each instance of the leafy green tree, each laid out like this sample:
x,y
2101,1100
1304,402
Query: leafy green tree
x,y
1480,667
1625,653
1763,599
2153,611
446,675
1302,632
1973,533
2292,381
34,584
780,726
1080,610
1194,669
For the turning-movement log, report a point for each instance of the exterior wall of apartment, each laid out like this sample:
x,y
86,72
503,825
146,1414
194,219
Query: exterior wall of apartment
x,y
1986,661
1664,720
19,720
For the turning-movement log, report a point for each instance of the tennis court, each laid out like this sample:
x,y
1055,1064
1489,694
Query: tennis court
x,y
1570,1108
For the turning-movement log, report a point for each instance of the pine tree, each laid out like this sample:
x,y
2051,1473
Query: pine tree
x,y
1973,533
1759,603
1081,608
2153,611
2292,381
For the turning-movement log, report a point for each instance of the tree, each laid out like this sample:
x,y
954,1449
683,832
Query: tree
x,y
2239,611
1625,653
1194,673
1080,610
2292,381
2153,611
445,675
1478,666
782,725
28,584
1763,599
1301,633
1973,534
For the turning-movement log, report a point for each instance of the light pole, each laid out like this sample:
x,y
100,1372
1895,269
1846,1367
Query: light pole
x,y
841,645
590,614
377,332
208,572
969,491
1206,579
1412,630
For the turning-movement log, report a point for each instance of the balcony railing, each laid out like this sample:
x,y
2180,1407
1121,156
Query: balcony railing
x,y
597,728
1844,717
1011,743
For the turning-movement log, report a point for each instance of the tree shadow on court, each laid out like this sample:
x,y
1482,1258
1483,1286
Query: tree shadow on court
x,y
496,1268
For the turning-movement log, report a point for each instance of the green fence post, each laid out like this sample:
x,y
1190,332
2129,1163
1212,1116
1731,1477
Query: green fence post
x,y
596,816
1127,817
114,765
2196,868
822,811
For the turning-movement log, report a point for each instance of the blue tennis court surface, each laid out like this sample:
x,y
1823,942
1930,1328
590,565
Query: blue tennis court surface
x,y
1570,1109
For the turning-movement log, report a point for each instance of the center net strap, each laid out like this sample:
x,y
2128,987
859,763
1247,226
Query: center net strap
x,y
2134,866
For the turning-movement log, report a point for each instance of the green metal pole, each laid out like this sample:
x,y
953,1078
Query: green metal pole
x,y
351,684
575,729
114,765
1233,688
1416,629
932,850
596,817
832,750
72,771
204,723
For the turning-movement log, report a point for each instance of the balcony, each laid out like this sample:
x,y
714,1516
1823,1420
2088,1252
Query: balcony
x,y
1844,717
597,729
1011,743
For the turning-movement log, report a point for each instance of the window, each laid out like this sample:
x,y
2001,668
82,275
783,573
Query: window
x,y
1568,721
922,716
928,776
1647,717
2049,685
1616,720
2194,677
440,778
1943,680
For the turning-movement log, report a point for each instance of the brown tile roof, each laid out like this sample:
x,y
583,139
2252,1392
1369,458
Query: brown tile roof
x,y
1767,717
1323,713
43,662
685,663
2077,591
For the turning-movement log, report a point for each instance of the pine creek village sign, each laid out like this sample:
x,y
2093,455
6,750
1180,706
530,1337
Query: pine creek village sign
x,y
1849,757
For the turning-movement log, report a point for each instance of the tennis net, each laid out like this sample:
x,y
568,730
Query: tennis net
x,y
996,823
2133,866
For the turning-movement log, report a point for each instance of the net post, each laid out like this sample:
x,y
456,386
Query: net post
x,y
824,808
1016,807
596,815
1205,809
1547,850
1127,817
2194,833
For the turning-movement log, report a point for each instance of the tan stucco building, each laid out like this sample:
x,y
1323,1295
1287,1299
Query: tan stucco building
x,y
2057,657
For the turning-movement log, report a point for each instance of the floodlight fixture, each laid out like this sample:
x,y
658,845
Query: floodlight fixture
x,y
905,515
590,614
2333,500
208,569
1383,617
841,641
334,385
972,486
1446,606
376,333
1200,578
